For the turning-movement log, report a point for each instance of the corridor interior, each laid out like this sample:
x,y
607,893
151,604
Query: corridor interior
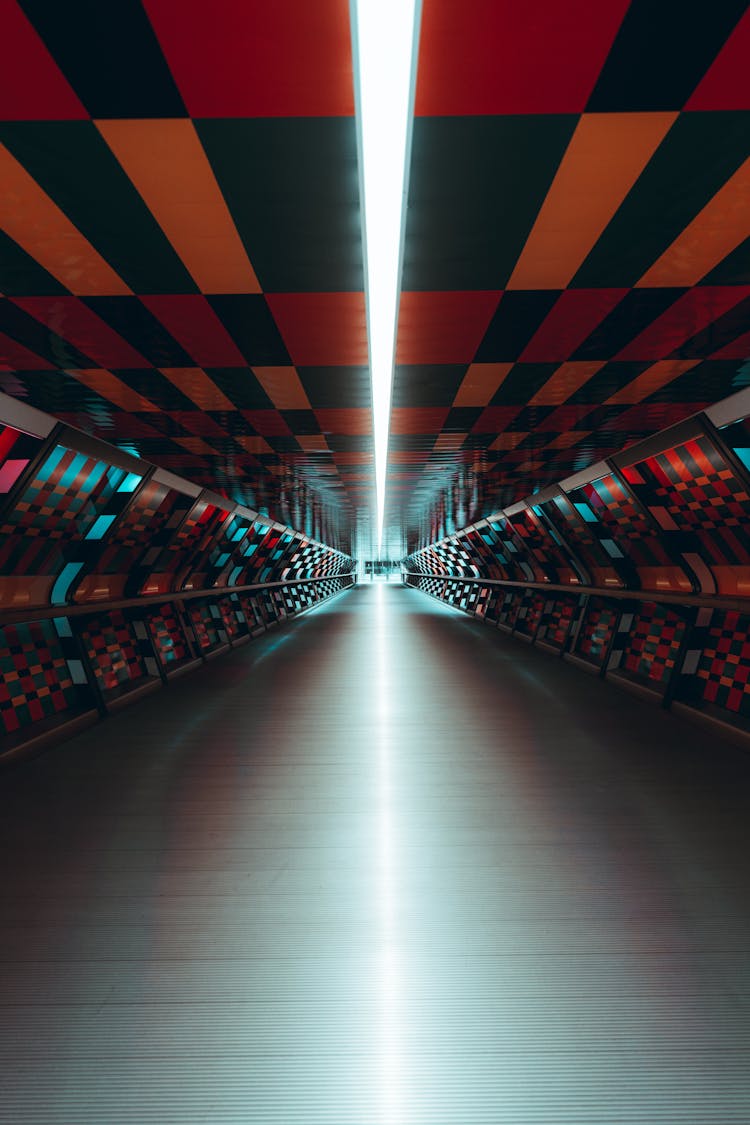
x,y
382,865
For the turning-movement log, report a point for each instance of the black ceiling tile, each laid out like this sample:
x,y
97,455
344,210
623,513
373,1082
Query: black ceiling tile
x,y
72,163
292,185
696,158
476,185
283,443
241,387
164,423
708,382
461,418
426,385
301,421
515,321
156,388
39,339
608,381
717,334
661,53
529,418
336,386
110,56
233,421
133,321
732,270
248,320
637,309
522,383
349,443
21,275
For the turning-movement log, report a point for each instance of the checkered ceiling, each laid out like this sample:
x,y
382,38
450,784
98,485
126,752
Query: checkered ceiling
x,y
181,263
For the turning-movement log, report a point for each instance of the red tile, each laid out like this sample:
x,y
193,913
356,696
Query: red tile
x,y
725,84
495,419
418,419
504,56
269,423
15,357
194,324
322,329
32,86
356,420
252,58
689,315
735,349
574,316
76,323
445,327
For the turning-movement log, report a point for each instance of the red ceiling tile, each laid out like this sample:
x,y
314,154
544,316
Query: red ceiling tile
x,y
252,58
738,348
418,419
725,84
269,423
503,56
322,329
444,327
15,357
688,316
574,316
494,419
32,87
195,325
76,323
356,420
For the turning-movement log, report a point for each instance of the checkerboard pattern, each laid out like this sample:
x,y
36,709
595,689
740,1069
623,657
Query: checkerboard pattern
x,y
724,665
596,631
530,613
167,636
114,652
653,644
218,325
701,505
557,619
207,626
35,682
55,511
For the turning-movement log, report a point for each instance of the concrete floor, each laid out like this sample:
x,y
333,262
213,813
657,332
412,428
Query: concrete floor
x,y
383,865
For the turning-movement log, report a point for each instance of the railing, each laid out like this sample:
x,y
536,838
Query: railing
x,y
66,667
690,653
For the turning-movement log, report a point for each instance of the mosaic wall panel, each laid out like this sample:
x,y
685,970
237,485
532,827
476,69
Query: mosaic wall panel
x,y
543,544
114,651
509,607
597,631
35,680
167,636
207,627
530,613
653,644
557,618
585,539
723,671
632,537
701,506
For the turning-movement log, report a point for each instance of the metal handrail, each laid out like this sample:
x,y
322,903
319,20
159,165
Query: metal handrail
x,y
708,601
16,617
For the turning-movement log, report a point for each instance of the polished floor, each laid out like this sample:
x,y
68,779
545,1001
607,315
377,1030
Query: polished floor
x,y
383,866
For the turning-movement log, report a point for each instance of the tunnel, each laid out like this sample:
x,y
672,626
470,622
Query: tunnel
x,y
374,562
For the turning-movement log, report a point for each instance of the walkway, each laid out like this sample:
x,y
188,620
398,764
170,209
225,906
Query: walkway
x,y
384,866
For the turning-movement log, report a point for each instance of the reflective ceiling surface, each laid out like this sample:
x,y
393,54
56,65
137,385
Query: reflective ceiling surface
x,y
181,263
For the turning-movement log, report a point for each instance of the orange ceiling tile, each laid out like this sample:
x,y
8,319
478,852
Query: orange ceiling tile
x,y
166,162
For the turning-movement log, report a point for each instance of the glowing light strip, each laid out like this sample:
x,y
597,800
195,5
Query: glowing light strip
x,y
384,41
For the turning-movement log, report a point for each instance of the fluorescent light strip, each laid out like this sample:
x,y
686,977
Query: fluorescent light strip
x,y
384,41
